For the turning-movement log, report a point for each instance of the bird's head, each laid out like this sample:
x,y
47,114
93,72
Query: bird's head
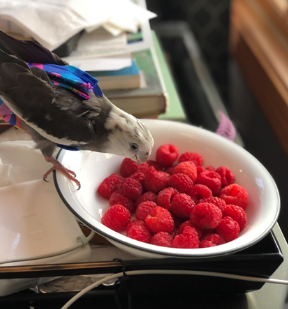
x,y
128,136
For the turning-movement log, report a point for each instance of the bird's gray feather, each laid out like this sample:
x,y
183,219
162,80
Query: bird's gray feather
x,y
56,111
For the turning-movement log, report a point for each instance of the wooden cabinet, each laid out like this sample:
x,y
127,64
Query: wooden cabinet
x,y
259,44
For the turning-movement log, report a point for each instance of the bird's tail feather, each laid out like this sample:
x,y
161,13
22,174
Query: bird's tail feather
x,y
28,51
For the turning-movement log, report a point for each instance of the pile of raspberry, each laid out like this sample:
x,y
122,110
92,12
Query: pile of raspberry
x,y
174,201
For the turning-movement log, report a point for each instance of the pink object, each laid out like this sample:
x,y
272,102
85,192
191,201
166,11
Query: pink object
x,y
226,127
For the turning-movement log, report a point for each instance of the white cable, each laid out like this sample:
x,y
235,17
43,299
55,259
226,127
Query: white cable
x,y
171,272
82,242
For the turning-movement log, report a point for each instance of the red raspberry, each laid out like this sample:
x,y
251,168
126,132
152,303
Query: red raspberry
x,y
129,167
200,169
183,183
228,229
215,238
177,220
216,201
210,179
169,170
130,188
109,185
138,230
235,194
210,168
166,155
139,176
147,196
206,244
155,164
188,168
189,223
236,213
163,239
198,192
191,156
227,177
188,239
173,233
159,220
156,180
144,209
118,199
205,215
116,218
142,168
165,196
182,205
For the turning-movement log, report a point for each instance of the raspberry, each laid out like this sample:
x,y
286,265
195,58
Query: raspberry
x,y
210,179
200,169
130,188
138,230
139,176
116,218
235,194
206,244
173,233
166,155
183,183
128,167
188,168
210,168
216,201
191,156
142,168
155,164
163,239
155,180
189,223
144,209
205,215
199,192
177,220
159,220
236,213
165,196
227,177
215,238
188,239
169,170
228,229
118,199
109,185
182,205
147,196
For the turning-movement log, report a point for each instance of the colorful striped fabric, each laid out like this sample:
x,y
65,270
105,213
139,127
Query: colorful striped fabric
x,y
77,81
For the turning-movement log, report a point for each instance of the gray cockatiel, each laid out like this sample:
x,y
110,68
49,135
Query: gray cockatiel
x,y
56,116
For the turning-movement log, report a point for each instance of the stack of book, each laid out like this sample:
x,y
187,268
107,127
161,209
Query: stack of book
x,y
126,67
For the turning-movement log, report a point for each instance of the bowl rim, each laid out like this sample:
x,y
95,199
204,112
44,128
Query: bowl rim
x,y
175,252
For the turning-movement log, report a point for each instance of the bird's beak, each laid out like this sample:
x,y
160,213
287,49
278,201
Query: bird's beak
x,y
142,158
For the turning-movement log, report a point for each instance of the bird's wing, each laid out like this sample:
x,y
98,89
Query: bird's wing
x,y
54,115
28,51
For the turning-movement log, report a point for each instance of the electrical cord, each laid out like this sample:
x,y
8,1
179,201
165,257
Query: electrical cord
x,y
82,242
171,272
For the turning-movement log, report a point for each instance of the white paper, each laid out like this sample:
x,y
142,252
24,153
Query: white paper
x,y
53,22
102,64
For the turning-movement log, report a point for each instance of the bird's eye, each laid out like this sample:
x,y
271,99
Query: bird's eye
x,y
133,146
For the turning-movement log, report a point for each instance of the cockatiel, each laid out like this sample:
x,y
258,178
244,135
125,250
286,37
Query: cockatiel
x,y
55,116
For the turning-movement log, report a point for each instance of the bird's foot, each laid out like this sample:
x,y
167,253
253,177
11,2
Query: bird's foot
x,y
58,166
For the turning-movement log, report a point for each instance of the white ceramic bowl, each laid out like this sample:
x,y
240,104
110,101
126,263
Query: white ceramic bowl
x,y
91,168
